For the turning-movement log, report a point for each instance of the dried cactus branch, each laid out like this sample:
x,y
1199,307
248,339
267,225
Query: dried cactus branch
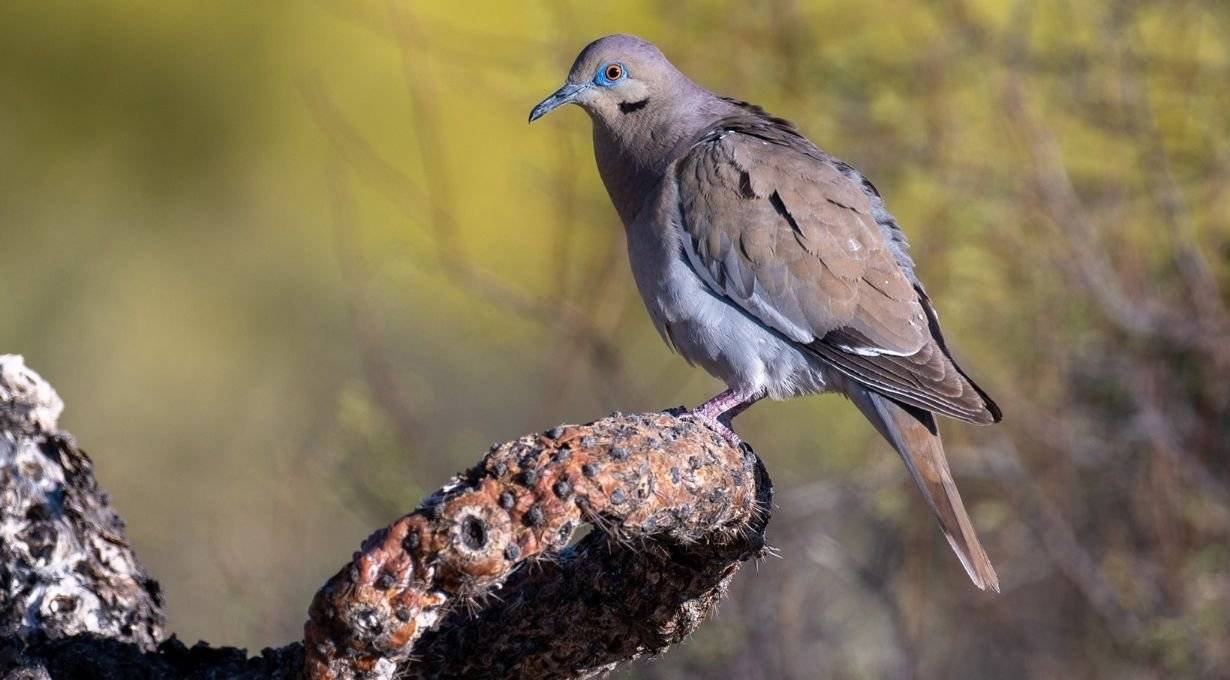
x,y
482,580
675,509
66,566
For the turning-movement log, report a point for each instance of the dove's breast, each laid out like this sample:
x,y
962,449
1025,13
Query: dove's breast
x,y
704,327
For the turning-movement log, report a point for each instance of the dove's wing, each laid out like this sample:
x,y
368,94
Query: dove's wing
x,y
777,228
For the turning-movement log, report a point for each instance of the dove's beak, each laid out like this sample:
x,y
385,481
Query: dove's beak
x,y
565,95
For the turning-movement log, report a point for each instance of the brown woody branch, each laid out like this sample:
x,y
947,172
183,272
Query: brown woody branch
x,y
483,580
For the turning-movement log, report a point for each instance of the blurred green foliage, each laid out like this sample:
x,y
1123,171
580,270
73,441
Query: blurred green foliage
x,y
292,264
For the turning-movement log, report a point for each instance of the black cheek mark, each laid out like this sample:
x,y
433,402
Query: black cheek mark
x,y
629,107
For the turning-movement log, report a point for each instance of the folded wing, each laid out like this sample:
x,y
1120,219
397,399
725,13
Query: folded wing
x,y
776,227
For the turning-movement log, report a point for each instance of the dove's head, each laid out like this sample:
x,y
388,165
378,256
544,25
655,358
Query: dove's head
x,y
642,109
614,78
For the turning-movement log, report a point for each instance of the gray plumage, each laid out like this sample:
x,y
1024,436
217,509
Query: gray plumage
x,y
773,265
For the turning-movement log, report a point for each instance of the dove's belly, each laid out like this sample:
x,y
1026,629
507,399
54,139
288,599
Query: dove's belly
x,y
724,340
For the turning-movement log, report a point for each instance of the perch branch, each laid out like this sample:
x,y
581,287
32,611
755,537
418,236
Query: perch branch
x,y
682,507
484,579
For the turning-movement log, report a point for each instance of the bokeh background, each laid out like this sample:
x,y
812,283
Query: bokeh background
x,y
291,264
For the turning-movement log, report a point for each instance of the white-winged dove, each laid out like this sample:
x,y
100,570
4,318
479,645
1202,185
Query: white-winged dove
x,y
772,264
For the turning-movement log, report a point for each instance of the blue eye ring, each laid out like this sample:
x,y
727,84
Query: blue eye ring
x,y
609,74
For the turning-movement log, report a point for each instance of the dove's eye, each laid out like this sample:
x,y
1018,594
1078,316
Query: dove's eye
x,y
607,75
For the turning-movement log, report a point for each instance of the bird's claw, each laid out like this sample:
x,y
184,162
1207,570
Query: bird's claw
x,y
716,423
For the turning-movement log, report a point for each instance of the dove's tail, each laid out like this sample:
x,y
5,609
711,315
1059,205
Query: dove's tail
x,y
914,434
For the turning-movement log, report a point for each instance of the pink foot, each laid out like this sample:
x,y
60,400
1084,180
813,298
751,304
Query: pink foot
x,y
720,410
723,429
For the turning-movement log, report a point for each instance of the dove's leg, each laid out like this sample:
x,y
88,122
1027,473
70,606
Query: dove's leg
x,y
744,404
721,409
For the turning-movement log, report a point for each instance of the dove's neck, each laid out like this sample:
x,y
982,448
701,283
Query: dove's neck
x,y
635,150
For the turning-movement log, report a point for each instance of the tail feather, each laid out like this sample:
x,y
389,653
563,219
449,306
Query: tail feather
x,y
914,435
